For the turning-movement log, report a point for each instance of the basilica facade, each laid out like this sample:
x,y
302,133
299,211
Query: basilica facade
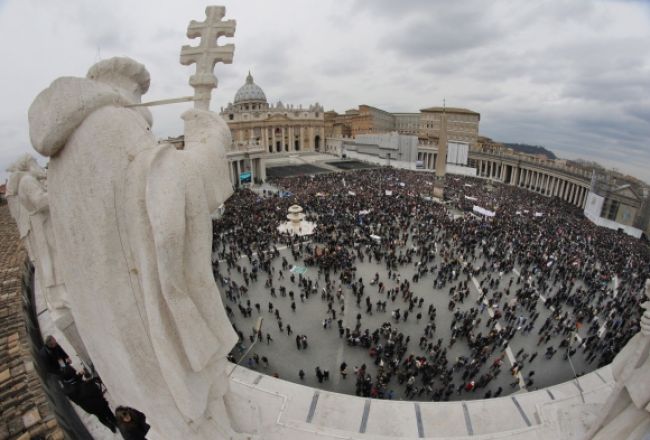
x,y
275,129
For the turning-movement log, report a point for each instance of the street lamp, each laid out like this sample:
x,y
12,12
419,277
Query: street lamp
x,y
257,329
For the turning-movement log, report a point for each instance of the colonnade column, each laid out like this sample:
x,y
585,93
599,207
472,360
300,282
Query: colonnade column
x,y
547,184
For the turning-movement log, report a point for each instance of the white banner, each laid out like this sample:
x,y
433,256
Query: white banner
x,y
483,211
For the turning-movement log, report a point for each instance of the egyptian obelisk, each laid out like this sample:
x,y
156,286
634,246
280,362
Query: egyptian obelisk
x,y
441,158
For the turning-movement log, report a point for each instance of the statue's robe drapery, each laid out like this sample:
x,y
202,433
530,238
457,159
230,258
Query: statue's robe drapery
x,y
133,226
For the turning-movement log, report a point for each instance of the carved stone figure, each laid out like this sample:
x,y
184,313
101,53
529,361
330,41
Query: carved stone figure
x,y
625,414
29,206
132,222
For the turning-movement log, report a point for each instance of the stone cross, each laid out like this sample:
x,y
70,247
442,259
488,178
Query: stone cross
x,y
208,52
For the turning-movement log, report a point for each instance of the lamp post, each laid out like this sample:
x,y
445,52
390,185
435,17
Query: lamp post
x,y
257,328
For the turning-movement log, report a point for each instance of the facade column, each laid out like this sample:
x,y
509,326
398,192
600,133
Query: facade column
x,y
290,142
302,137
283,145
310,130
273,142
265,138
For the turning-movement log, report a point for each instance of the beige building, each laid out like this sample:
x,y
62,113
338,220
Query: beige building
x,y
407,123
462,124
370,120
275,128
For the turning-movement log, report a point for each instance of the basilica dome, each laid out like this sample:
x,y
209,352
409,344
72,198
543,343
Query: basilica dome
x,y
250,92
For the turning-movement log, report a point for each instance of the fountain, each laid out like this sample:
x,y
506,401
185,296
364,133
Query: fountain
x,y
297,224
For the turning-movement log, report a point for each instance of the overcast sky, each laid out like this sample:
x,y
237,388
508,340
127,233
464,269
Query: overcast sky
x,y
571,75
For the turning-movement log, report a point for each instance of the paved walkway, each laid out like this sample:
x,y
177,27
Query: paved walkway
x,y
327,350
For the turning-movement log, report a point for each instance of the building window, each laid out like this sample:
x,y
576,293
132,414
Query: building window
x,y
610,209
231,116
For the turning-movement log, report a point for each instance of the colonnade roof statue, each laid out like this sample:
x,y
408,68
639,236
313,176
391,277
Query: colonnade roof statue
x,y
133,233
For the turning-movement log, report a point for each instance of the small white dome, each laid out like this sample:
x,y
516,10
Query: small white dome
x,y
250,92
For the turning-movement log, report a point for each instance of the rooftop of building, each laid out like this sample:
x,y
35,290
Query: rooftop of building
x,y
449,110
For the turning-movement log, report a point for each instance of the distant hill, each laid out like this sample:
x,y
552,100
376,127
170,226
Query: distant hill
x,y
531,149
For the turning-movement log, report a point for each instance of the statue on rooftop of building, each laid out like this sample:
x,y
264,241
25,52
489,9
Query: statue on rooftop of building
x,y
132,221
29,206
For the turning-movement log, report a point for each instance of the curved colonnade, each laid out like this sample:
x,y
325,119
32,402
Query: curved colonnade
x,y
569,184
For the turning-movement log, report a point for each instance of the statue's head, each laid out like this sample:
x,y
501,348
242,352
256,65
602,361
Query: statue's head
x,y
27,163
128,76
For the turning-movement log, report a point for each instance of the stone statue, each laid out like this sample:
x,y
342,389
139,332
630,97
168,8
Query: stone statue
x,y
625,414
29,206
132,222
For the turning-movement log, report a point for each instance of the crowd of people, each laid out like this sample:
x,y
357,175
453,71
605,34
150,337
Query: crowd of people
x,y
537,269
